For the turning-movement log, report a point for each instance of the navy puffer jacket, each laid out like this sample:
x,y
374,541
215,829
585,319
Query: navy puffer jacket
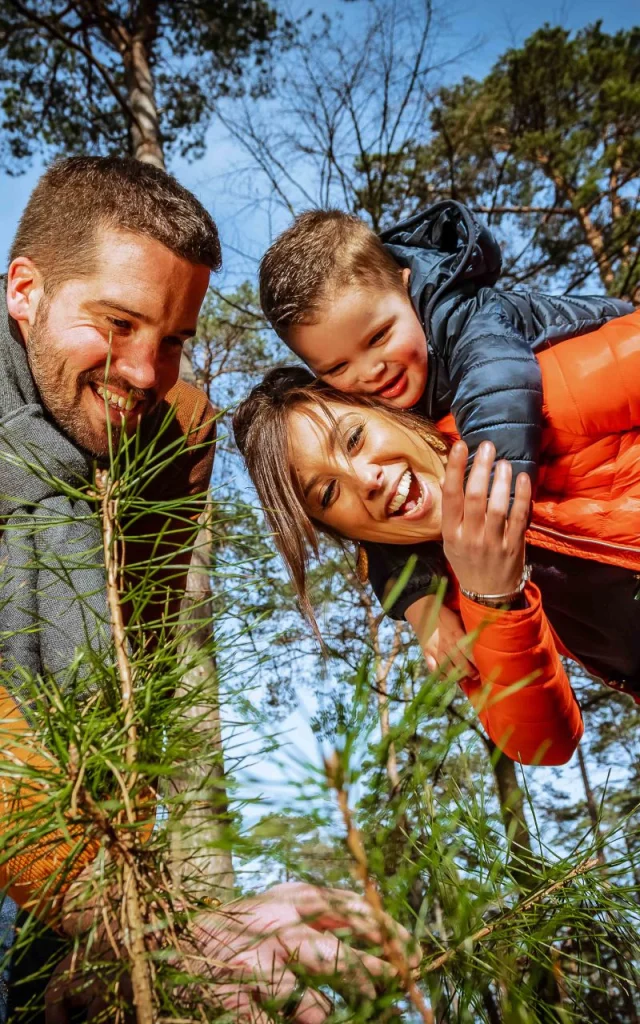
x,y
481,364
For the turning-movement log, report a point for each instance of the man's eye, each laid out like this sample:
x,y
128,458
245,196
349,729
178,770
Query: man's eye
x,y
354,438
122,325
327,495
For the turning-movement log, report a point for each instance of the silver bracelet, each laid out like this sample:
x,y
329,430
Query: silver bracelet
x,y
496,600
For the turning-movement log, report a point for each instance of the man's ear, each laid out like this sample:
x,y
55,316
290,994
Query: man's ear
x,y
25,289
406,277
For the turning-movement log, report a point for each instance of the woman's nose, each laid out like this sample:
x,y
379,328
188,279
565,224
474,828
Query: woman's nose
x,y
371,479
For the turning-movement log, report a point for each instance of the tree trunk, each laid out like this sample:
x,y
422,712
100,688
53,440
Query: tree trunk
x,y
199,846
201,850
511,799
593,236
592,807
144,129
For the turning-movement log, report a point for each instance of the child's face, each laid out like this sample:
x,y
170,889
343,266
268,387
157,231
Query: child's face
x,y
369,343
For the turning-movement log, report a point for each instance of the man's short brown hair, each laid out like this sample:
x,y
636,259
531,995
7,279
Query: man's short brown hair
x,y
77,197
323,252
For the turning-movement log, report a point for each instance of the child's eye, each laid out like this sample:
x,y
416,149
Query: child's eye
x,y
327,495
355,437
378,336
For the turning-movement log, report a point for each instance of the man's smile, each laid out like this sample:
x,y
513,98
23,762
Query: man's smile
x,y
122,404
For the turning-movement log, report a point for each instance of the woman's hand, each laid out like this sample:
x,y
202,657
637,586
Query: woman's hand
x,y
483,542
443,638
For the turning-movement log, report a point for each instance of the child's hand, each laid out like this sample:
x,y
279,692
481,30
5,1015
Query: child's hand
x,y
447,646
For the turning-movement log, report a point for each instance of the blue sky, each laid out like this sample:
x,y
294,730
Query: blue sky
x,y
493,24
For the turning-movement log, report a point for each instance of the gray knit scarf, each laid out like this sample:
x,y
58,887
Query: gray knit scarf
x,y
52,587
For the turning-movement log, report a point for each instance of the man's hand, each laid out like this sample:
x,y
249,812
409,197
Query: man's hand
x,y
446,645
484,543
256,951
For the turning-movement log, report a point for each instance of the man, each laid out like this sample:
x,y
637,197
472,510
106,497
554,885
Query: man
x,y
108,270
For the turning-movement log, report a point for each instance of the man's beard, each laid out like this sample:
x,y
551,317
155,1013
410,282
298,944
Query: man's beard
x,y
61,393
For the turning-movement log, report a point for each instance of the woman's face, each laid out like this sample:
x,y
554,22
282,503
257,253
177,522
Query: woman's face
x,y
366,475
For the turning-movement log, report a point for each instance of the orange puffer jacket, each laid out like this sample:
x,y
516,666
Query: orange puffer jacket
x,y
588,504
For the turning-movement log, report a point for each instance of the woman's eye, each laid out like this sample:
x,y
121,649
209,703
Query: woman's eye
x,y
122,325
354,438
327,495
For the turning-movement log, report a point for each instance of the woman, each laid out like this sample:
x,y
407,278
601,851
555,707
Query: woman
x,y
322,460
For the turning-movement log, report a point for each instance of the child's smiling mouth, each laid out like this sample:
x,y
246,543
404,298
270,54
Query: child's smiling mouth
x,y
394,387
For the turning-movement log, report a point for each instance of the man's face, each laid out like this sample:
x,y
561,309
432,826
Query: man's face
x,y
116,334
369,343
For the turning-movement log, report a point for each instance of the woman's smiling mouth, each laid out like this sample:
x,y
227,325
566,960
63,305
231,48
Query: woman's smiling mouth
x,y
411,498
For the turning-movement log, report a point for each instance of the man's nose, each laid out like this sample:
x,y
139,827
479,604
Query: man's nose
x,y
139,363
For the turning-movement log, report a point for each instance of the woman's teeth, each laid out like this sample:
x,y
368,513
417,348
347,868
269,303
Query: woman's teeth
x,y
401,503
125,404
400,496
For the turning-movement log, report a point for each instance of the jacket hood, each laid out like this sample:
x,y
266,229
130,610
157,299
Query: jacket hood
x,y
443,246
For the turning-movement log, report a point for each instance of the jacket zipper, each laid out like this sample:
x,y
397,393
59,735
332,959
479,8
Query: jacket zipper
x,y
585,541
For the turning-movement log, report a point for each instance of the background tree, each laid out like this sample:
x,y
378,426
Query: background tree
x,y
113,76
547,148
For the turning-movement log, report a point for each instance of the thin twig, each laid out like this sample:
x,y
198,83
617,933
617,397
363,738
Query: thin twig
x,y
525,904
141,977
392,948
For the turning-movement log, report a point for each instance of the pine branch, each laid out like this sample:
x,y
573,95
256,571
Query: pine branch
x,y
393,950
134,934
522,905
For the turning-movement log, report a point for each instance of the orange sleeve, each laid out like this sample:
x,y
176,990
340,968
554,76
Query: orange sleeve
x,y
34,875
523,698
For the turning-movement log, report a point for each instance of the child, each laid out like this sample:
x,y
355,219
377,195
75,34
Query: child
x,y
413,318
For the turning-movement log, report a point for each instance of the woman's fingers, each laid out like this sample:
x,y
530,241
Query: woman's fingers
x,y
519,516
326,957
453,489
242,1001
477,490
498,504
313,1008
330,909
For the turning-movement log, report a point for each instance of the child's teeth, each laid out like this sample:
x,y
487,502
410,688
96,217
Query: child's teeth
x,y
400,496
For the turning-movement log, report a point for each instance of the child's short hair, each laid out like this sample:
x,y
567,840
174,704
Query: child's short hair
x,y
321,253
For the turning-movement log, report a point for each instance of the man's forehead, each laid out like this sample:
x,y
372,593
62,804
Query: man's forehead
x,y
139,274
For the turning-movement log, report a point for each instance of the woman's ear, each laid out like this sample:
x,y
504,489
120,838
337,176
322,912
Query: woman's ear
x,y
406,277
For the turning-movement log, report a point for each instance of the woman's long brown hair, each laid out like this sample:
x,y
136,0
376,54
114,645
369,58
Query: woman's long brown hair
x,y
261,427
